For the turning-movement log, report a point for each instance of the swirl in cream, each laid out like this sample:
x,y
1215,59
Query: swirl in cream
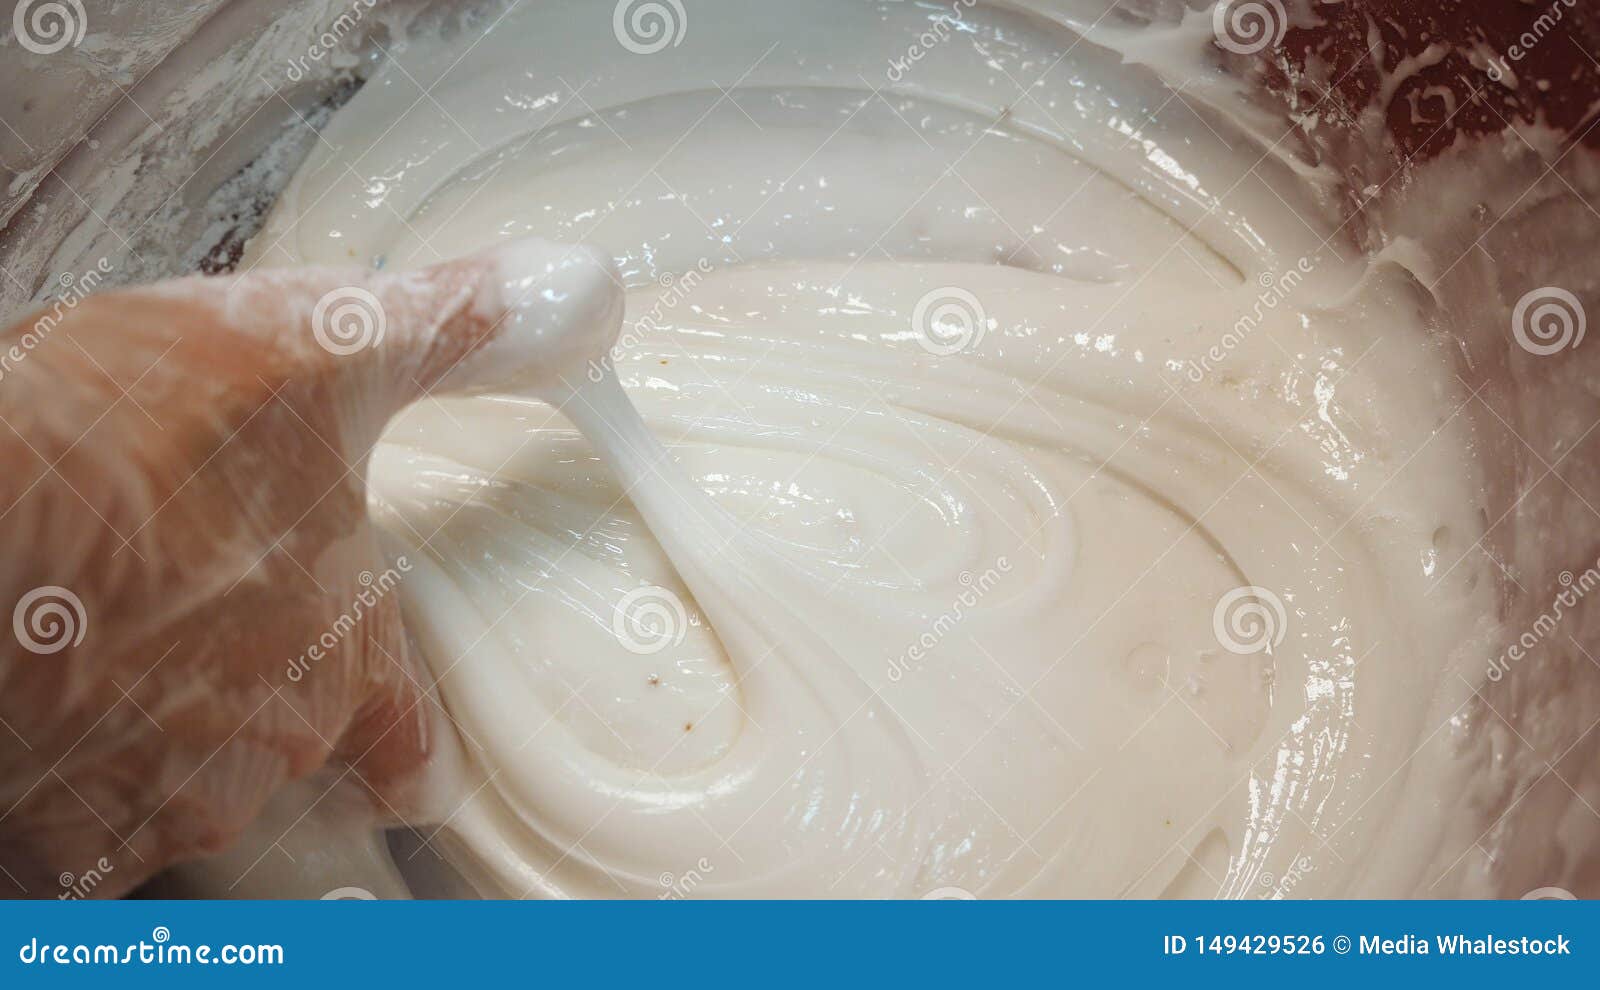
x,y
1030,495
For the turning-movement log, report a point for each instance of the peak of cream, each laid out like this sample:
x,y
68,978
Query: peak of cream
x,y
561,307
1027,492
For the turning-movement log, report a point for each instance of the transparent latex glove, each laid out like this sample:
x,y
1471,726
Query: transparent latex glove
x,y
200,609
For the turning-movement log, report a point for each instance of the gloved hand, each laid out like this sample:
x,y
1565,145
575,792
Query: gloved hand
x,y
201,610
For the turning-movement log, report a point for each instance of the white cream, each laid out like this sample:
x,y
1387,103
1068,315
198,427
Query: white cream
x,y
985,396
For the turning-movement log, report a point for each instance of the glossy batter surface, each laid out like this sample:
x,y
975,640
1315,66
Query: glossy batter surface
x,y
1021,502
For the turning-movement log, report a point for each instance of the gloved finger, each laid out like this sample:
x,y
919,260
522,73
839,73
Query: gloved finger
x,y
381,340
185,461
